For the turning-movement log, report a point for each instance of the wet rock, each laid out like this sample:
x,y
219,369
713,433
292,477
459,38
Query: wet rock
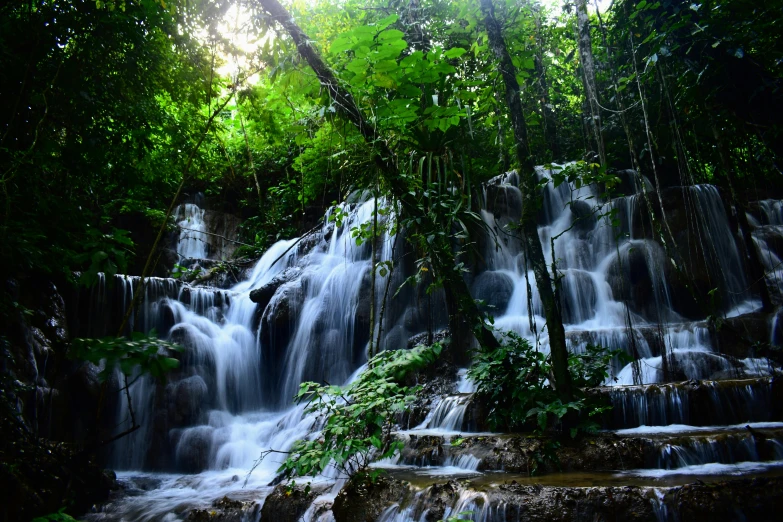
x,y
742,499
577,296
395,339
277,326
744,336
186,399
555,504
423,450
504,201
287,505
439,498
772,236
361,328
584,217
704,251
194,448
529,454
226,510
630,182
641,277
223,228
697,403
362,500
495,288
263,295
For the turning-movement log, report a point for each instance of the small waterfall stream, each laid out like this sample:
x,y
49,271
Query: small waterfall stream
x,y
230,401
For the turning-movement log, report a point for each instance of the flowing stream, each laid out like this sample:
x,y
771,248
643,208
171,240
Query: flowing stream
x,y
229,403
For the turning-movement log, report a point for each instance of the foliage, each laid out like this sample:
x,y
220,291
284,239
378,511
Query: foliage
x,y
458,517
359,417
514,381
141,353
103,101
60,516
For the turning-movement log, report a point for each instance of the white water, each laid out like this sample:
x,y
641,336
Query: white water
x,y
238,423
249,366
684,428
587,256
193,241
713,468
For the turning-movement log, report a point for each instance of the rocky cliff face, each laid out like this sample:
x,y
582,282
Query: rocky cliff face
x,y
49,408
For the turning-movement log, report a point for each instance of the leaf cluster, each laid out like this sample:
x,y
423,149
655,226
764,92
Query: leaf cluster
x,y
139,354
514,381
359,417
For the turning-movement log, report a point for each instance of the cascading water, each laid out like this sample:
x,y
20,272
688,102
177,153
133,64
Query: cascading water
x,y
193,241
230,402
215,417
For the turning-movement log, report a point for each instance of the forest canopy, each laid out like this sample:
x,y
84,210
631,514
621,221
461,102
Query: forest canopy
x,y
108,105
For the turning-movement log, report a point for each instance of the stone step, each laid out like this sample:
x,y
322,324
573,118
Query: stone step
x,y
695,403
691,403
518,453
578,498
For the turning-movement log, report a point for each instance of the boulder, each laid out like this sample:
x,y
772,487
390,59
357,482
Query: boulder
x,y
704,253
186,399
577,296
504,201
227,510
194,448
495,289
363,500
630,182
286,504
277,326
263,295
583,216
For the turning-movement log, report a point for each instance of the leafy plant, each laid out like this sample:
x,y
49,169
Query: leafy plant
x,y
458,517
514,381
104,253
141,352
358,418
60,516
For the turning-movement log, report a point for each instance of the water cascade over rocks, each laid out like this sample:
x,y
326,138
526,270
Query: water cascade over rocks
x,y
695,403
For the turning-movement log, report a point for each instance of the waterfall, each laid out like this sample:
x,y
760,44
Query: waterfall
x,y
229,403
193,241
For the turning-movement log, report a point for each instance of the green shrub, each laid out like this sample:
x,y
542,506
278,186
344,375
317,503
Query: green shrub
x,y
514,381
359,416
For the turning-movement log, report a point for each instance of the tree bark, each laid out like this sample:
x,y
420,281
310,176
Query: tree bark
x,y
588,75
547,110
462,308
528,185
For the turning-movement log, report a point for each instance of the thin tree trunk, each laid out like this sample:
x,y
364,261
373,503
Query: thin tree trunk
x,y
373,261
585,45
463,304
528,186
250,158
547,110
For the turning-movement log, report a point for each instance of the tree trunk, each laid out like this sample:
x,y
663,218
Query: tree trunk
x,y
373,261
588,75
528,185
250,158
443,261
547,110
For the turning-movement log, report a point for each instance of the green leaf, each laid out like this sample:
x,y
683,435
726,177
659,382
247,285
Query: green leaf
x,y
386,22
455,52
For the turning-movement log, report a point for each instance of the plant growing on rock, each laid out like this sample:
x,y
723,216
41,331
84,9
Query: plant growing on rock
x,y
514,380
359,417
